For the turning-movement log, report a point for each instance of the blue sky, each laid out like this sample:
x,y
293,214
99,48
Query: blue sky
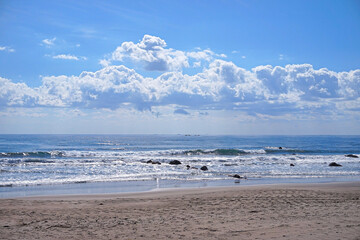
x,y
208,67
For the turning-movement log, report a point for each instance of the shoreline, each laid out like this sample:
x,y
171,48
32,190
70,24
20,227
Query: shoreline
x,y
272,211
164,192
123,187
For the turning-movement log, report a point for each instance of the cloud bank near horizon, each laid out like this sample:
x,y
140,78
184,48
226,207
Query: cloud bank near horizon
x,y
218,85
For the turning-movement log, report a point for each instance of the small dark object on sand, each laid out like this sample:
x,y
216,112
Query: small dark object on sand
x,y
352,156
334,164
175,162
204,168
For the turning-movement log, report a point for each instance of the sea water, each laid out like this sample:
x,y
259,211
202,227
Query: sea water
x,y
59,161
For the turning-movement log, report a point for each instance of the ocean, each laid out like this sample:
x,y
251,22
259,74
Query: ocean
x,y
51,164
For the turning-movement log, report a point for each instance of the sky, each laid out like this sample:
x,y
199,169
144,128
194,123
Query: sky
x,y
180,67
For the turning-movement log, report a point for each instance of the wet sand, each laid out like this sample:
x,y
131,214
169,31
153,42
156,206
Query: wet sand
x,y
288,211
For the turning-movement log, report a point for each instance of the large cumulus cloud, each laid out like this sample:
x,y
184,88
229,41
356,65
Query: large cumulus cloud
x,y
271,90
153,55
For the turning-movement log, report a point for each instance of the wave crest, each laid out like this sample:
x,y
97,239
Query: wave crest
x,y
221,152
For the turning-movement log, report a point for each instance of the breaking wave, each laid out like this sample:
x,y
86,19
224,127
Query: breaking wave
x,y
221,152
40,154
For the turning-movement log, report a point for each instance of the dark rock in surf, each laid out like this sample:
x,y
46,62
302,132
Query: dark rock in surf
x,y
150,161
236,176
280,148
187,167
204,168
174,162
334,164
352,156
292,165
156,162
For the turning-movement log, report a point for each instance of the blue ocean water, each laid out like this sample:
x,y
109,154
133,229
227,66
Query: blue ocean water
x,y
33,160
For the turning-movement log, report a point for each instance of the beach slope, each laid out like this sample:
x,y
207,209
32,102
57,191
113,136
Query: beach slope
x,y
309,211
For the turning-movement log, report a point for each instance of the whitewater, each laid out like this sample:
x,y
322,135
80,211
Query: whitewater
x,y
28,160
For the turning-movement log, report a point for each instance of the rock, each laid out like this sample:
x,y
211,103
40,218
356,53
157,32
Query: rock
x,y
280,148
204,168
174,162
237,176
292,165
153,162
334,164
352,156
194,168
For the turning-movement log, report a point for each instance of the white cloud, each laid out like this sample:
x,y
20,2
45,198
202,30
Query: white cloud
x,y
349,83
104,62
220,85
16,94
68,57
321,83
6,49
23,112
206,55
49,42
153,55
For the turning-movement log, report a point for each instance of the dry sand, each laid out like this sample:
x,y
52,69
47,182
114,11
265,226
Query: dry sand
x,y
311,211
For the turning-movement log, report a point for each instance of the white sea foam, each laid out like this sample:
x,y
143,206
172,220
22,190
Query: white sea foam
x,y
110,161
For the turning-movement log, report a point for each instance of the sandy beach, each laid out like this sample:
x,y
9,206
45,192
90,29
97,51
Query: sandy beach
x,y
292,211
